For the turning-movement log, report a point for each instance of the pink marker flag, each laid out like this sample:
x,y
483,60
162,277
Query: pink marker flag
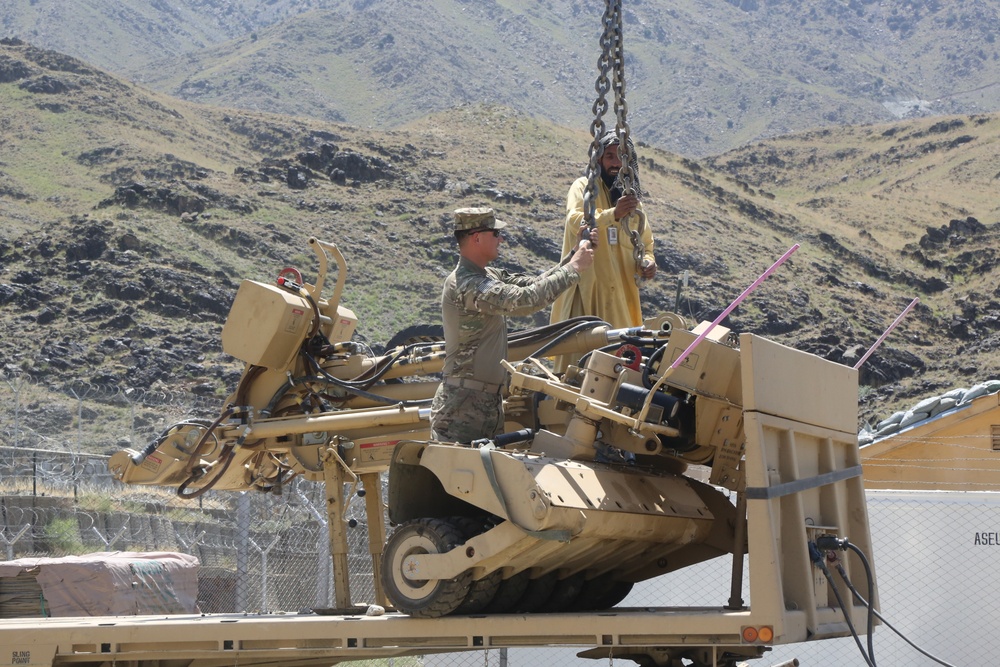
x,y
732,306
884,335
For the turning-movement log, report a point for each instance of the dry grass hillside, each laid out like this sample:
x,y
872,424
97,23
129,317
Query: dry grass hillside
x,y
130,219
906,210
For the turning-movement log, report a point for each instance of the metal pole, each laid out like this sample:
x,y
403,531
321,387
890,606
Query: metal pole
x,y
17,412
335,478
376,530
114,540
79,420
11,542
736,585
263,569
242,544
79,438
324,563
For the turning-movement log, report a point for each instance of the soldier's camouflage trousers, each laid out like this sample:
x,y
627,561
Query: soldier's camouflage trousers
x,y
463,415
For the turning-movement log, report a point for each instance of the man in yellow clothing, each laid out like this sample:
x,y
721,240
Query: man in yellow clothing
x,y
609,291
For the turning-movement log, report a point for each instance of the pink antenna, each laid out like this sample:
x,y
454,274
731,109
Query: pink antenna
x,y
887,331
732,306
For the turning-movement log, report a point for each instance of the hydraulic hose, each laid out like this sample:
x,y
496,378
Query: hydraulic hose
x,y
196,452
139,457
561,337
225,458
527,336
364,378
343,384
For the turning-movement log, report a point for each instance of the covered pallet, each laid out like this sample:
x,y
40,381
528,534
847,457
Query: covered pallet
x,y
117,583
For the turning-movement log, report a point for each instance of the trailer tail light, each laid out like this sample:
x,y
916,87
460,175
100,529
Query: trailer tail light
x,y
757,635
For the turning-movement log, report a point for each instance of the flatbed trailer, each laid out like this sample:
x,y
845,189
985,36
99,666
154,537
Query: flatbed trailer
x,y
802,481
303,640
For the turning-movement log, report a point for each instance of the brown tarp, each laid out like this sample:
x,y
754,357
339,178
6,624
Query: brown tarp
x,y
113,583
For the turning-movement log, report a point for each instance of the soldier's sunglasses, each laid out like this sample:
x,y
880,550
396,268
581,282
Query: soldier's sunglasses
x,y
496,232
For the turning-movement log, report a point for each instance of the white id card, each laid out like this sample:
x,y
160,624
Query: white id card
x,y
612,236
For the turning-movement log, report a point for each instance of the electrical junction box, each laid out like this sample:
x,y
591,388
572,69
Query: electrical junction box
x,y
343,325
266,325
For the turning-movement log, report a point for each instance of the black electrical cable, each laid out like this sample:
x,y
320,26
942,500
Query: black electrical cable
x,y
317,316
643,350
832,543
139,457
871,607
871,592
385,365
249,377
639,341
225,456
819,559
647,368
230,411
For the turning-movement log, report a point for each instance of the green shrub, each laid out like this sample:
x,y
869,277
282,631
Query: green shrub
x,y
63,536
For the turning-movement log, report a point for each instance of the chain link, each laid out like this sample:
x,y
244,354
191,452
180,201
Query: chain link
x,y
612,59
597,127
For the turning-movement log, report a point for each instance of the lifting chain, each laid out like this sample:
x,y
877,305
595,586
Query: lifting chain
x,y
612,60
597,127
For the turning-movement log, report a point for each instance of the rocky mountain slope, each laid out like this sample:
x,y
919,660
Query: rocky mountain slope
x,y
130,218
704,76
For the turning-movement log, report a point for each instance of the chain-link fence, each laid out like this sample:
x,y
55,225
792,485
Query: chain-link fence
x,y
258,552
937,553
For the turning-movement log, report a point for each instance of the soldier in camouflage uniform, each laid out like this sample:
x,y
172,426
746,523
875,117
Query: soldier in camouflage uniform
x,y
475,303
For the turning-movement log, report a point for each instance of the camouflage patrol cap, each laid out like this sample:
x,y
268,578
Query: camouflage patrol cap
x,y
469,219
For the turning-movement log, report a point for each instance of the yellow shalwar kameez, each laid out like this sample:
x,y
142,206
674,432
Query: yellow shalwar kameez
x,y
608,290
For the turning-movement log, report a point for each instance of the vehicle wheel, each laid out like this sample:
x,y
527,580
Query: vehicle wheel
x,y
594,591
537,594
431,598
418,333
482,591
508,594
565,594
604,593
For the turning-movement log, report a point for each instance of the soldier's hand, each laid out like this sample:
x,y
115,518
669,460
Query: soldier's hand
x,y
583,258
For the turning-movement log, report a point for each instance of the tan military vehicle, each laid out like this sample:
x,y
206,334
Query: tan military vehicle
x,y
661,448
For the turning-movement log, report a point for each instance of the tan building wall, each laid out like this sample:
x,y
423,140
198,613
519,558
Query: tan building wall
x,y
958,450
